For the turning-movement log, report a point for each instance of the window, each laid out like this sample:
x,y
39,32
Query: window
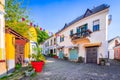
x,y
116,53
96,25
51,42
47,43
54,50
71,32
84,28
62,38
54,41
78,29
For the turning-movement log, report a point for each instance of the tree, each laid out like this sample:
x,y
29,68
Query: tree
x,y
15,11
41,36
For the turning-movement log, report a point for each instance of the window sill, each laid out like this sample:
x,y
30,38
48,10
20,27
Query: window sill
x,y
96,31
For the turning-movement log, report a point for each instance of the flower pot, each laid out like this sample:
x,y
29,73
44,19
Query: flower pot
x,y
37,65
56,57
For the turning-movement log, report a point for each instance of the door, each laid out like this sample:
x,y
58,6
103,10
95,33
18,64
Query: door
x,y
91,55
61,54
73,54
19,50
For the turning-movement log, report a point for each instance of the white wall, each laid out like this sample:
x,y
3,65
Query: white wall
x,y
98,36
111,46
2,34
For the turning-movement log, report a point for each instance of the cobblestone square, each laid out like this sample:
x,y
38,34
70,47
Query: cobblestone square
x,y
56,69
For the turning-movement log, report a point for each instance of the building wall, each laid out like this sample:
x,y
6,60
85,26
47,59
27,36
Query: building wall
x,y
2,68
2,40
10,51
117,52
27,51
111,46
95,37
2,25
33,39
33,34
47,47
2,3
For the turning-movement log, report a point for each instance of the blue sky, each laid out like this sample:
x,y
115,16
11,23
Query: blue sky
x,y
53,14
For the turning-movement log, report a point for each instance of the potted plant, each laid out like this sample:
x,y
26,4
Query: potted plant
x,y
80,59
55,56
38,59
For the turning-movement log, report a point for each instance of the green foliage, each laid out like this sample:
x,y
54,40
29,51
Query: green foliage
x,y
38,55
41,36
15,11
18,66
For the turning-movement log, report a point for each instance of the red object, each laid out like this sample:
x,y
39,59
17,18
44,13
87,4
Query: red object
x,y
56,57
117,52
31,24
41,29
20,42
23,19
37,65
2,60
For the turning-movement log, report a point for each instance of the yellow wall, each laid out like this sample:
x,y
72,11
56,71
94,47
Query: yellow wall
x,y
9,44
0,53
27,50
33,33
2,5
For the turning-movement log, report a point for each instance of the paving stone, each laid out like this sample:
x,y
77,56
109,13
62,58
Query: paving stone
x,y
66,70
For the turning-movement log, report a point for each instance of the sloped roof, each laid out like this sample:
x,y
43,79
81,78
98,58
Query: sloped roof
x,y
92,11
113,39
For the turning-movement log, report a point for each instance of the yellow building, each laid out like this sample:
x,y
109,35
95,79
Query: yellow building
x,y
2,43
33,39
17,49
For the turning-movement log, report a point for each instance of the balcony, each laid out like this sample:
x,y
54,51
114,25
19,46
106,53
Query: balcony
x,y
81,37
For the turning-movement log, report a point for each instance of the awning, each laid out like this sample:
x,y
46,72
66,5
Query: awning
x,y
92,44
60,47
71,46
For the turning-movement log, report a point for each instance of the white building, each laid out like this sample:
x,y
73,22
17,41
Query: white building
x,y
111,44
2,39
85,37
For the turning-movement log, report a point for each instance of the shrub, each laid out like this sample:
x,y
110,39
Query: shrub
x,y
18,66
80,59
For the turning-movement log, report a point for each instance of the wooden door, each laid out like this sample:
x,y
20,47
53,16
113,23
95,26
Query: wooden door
x,y
91,55
19,51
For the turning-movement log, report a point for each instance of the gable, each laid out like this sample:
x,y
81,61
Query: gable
x,y
87,13
33,34
112,43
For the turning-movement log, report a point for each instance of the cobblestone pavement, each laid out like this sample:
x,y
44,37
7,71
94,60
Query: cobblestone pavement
x,y
66,70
